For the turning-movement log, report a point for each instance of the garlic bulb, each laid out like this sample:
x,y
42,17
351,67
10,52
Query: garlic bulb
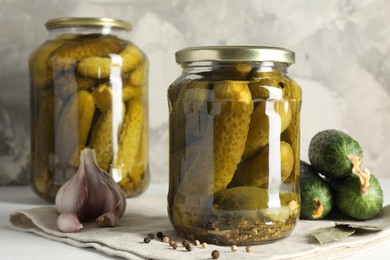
x,y
90,194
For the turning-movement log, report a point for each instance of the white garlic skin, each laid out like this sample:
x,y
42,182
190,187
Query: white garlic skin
x,y
91,194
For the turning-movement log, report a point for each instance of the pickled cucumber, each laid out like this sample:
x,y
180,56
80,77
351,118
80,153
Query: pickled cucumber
x,y
189,123
74,125
293,93
70,53
245,208
136,182
105,96
241,198
45,129
99,66
240,72
102,137
129,137
39,65
66,84
218,155
137,77
230,128
258,134
259,87
192,110
255,171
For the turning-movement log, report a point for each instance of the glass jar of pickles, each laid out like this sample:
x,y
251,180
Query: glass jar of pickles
x,y
88,85
234,145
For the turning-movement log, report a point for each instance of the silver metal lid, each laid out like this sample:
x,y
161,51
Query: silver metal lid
x,y
235,54
87,22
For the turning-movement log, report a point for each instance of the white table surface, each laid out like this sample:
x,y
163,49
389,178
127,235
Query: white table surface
x,y
19,245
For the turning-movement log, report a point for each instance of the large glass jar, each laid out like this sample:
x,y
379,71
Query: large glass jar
x,y
88,85
234,145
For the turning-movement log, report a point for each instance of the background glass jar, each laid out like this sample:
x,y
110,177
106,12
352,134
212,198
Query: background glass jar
x,y
234,145
88,86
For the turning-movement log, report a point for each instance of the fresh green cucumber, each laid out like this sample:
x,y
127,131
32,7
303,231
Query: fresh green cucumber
x,y
357,198
316,194
334,154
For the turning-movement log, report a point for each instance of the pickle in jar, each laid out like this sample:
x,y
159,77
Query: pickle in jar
x,y
129,137
105,96
214,165
98,66
102,136
72,52
74,125
255,171
258,134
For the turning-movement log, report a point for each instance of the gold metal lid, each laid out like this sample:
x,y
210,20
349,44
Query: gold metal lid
x,y
87,22
235,53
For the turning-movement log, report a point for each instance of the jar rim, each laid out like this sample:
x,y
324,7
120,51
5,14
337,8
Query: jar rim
x,y
63,22
235,53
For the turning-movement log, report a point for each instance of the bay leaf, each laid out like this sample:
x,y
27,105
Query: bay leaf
x,y
360,226
329,234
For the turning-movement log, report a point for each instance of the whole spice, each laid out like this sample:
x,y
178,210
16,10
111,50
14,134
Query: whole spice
x,y
90,194
174,245
188,247
248,249
151,235
146,240
215,254
165,239
159,234
234,248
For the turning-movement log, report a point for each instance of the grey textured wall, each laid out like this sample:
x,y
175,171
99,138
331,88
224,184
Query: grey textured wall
x,y
342,47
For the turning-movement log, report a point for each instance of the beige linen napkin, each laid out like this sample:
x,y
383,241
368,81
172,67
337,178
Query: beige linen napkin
x,y
149,215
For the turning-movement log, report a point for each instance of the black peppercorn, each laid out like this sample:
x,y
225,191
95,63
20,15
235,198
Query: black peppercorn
x,y
146,240
215,254
151,235
159,234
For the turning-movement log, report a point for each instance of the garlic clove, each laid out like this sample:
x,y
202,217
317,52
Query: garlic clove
x,y
114,207
109,219
72,196
68,222
108,197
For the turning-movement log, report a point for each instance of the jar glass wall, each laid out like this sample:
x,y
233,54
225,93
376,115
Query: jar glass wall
x,y
234,145
88,88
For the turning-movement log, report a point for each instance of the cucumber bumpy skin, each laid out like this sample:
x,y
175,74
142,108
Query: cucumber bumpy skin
x,y
354,202
316,194
334,154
